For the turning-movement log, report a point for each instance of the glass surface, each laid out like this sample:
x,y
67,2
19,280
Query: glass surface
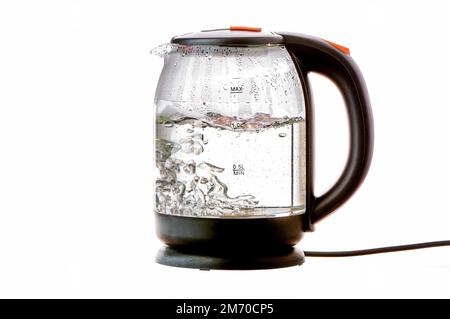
x,y
230,132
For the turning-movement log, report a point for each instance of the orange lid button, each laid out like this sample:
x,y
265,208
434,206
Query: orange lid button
x,y
341,48
240,28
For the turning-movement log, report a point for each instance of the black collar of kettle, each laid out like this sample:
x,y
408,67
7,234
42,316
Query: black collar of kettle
x,y
228,37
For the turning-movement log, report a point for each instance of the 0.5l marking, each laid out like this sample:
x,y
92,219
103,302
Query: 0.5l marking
x,y
238,169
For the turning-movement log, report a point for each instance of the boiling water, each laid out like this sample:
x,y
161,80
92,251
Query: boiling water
x,y
224,167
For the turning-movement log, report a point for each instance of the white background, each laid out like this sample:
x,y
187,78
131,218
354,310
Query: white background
x,y
76,114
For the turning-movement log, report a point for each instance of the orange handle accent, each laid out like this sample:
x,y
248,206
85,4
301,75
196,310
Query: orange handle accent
x,y
341,48
240,28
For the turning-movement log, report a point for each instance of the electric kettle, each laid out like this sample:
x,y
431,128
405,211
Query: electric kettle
x,y
234,137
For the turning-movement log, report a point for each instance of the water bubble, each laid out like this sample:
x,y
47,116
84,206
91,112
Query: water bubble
x,y
169,163
186,147
282,134
170,124
189,168
209,56
198,136
197,148
285,92
211,167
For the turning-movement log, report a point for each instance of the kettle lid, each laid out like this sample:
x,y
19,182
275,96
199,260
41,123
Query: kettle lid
x,y
236,36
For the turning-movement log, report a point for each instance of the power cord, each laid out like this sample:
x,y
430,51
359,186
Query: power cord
x,y
379,250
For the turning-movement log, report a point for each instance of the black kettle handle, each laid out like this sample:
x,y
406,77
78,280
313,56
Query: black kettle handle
x,y
333,61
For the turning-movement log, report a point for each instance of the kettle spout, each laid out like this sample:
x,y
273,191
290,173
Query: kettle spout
x,y
163,50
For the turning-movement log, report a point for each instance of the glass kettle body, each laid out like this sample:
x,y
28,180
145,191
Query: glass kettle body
x,y
233,137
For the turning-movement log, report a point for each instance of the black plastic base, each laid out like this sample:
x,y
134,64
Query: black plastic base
x,y
202,259
229,233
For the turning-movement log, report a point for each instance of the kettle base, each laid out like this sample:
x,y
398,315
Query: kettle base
x,y
229,233
220,259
